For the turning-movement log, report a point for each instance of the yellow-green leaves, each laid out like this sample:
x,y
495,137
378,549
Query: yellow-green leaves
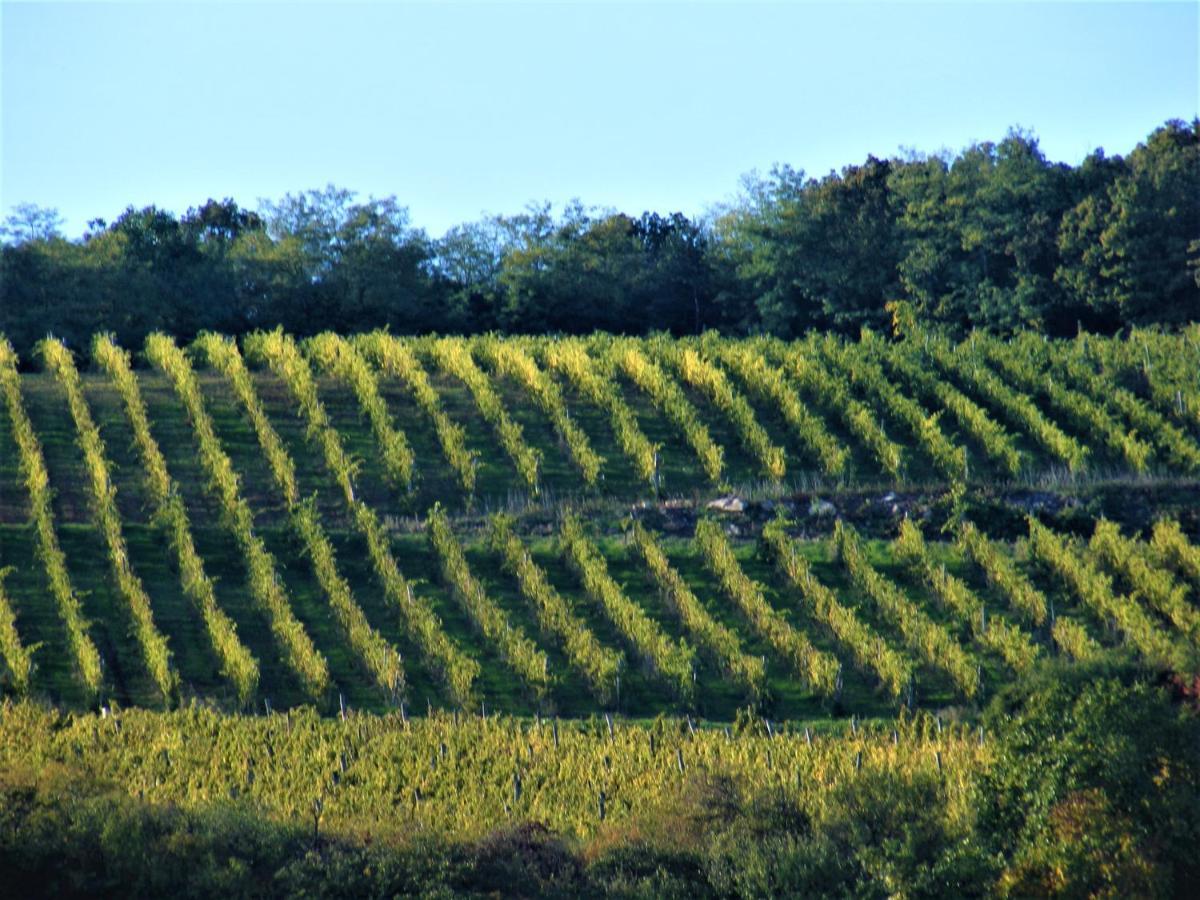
x,y
37,481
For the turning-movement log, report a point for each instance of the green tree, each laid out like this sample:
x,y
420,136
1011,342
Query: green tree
x,y
1154,217
754,260
980,235
366,266
1081,268
674,281
467,261
573,275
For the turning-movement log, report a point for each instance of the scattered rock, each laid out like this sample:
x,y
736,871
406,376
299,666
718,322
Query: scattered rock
x,y
1041,501
730,504
821,508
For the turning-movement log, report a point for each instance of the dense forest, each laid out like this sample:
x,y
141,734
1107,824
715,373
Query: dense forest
x,y
996,237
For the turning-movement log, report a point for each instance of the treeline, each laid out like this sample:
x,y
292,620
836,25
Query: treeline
x,y
996,237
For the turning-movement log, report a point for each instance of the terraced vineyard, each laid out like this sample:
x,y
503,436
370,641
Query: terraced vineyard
x,y
507,524
367,601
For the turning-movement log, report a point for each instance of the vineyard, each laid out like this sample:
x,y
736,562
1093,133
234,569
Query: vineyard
x,y
805,562
521,524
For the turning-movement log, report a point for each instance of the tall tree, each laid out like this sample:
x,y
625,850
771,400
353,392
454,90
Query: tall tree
x,y
1155,216
980,233
674,284
366,266
30,222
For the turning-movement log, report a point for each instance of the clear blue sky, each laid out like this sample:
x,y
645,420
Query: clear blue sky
x,y
462,109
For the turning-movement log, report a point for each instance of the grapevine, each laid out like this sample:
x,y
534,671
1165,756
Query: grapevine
x,y
931,642
155,652
870,652
237,663
1002,638
453,357
37,480
266,587
674,661
599,665
339,357
722,643
669,399
521,653
510,360
395,358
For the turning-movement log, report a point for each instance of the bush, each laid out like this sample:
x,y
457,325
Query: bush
x,y
1096,788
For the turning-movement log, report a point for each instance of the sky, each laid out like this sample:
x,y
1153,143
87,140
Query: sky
x,y
461,110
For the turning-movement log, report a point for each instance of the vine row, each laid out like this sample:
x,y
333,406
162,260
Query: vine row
x,y
600,665
569,357
340,358
1173,548
453,357
395,358
1095,590
518,651
1023,598
948,459
284,358
1015,361
673,661
711,381
669,399
721,642
770,386
457,670
974,420
16,656
930,641
1017,407
85,656
833,394
266,587
870,652
1001,637
820,671
1154,585
155,652
511,361
1174,446
237,662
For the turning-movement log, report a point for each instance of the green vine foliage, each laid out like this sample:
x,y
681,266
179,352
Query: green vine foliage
x,y
931,642
510,360
85,656
626,356
266,586
870,652
719,641
672,661
518,651
570,358
600,666
395,358
817,669
155,652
